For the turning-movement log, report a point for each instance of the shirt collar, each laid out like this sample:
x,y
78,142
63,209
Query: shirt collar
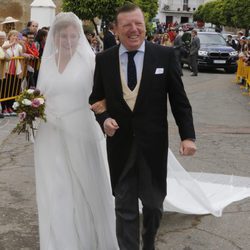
x,y
111,32
123,50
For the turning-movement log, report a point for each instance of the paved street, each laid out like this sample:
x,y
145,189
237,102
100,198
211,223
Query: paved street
x,y
222,121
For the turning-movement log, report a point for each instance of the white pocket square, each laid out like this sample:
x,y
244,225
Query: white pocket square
x,y
159,71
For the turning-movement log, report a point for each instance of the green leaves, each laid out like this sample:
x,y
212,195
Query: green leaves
x,y
232,13
106,9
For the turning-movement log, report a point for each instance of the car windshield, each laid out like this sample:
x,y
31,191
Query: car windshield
x,y
211,39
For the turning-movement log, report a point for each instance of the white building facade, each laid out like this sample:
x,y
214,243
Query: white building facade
x,y
177,11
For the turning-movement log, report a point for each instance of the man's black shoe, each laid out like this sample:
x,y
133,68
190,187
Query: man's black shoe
x,y
193,74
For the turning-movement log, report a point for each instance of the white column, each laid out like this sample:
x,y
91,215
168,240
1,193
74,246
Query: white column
x,y
43,11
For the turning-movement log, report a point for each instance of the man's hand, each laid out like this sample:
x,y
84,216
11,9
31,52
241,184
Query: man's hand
x,y
110,126
187,147
99,107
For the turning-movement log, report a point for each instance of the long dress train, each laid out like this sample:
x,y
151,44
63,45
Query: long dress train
x,y
202,193
197,192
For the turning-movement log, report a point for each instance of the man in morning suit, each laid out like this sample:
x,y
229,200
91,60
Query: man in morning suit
x,y
135,78
194,50
109,39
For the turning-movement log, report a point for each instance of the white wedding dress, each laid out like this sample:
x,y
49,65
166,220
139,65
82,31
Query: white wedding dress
x,y
75,204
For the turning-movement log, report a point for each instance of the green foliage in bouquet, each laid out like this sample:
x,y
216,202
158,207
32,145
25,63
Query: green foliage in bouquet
x,y
29,105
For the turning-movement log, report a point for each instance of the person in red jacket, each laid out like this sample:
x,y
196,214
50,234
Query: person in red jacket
x,y
32,54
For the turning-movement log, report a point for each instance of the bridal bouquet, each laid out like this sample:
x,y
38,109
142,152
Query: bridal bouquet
x,y
29,105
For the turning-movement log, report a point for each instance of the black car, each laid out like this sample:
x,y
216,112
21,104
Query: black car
x,y
213,53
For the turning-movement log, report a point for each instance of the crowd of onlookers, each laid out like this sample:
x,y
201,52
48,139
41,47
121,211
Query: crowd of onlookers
x,y
28,44
26,47
240,43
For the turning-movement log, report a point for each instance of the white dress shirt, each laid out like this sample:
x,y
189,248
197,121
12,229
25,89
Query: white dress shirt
x,y
138,58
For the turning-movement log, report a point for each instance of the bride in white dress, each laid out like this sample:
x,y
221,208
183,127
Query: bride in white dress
x,y
74,197
75,205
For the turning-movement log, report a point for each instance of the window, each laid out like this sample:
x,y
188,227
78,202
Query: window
x,y
185,5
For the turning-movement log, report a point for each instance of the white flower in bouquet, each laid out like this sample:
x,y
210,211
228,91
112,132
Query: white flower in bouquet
x,y
26,102
15,105
30,91
41,100
30,107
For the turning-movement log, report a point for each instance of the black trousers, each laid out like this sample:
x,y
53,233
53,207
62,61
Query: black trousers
x,y
194,63
178,60
136,182
30,80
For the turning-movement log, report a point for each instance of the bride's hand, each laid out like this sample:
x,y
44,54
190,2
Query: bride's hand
x,y
99,107
187,147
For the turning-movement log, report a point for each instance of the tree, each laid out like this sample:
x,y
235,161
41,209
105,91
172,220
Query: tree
x,y
210,12
236,14
149,7
105,9
199,13
90,9
232,13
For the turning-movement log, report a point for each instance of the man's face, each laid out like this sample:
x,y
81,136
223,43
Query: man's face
x,y
34,27
130,29
30,39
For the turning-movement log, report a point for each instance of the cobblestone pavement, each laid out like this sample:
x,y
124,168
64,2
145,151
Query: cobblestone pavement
x,y
222,121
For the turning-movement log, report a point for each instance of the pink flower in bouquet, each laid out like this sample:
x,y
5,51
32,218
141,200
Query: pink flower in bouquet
x,y
22,116
36,103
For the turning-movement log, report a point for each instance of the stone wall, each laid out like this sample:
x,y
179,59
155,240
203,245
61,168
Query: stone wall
x,y
20,9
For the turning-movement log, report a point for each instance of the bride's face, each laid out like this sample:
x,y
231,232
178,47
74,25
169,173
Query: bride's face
x,y
67,38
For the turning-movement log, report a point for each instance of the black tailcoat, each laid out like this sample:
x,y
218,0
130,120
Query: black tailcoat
x,y
147,123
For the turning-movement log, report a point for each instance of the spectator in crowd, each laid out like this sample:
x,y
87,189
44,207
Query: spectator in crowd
x,y
89,35
9,24
109,39
178,45
32,26
22,39
241,45
2,70
96,44
231,42
165,40
13,69
40,40
247,53
160,27
172,34
194,48
239,35
45,28
150,38
157,38
33,54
